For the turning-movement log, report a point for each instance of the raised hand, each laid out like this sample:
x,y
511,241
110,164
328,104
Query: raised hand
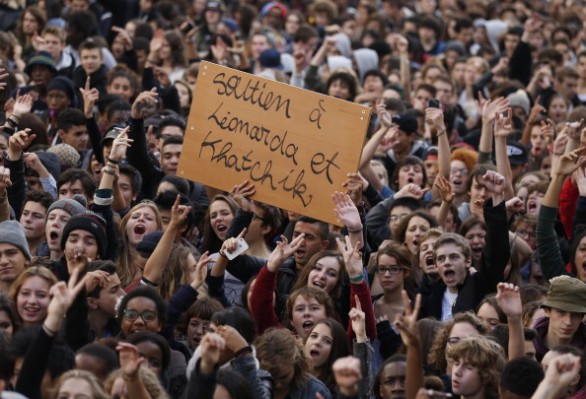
x,y
62,296
560,142
434,117
355,185
508,298
241,193
97,278
232,338
357,318
536,110
5,181
120,145
130,359
76,260
282,251
571,161
411,190
352,257
162,76
212,345
179,213
347,374
407,323
18,142
90,96
494,182
346,211
121,32
562,370
144,99
503,125
445,189
22,105
384,116
390,140
491,108
230,244
548,130
199,274
515,206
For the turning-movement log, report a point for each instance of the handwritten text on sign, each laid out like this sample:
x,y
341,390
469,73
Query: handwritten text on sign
x,y
296,146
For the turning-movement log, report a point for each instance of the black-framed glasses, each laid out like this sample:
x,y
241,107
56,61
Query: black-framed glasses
x,y
392,270
147,315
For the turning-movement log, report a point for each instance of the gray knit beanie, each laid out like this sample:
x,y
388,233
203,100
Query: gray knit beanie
x,y
11,232
71,206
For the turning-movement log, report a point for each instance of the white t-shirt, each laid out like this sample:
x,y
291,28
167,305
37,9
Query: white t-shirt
x,y
448,302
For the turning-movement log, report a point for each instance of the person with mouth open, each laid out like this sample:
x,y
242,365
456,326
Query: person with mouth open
x,y
142,219
458,290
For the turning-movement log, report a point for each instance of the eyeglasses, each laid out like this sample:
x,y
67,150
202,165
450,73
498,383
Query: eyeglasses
x,y
392,270
463,171
255,216
396,218
147,315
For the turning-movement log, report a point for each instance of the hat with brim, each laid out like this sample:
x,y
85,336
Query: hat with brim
x,y
111,134
41,58
567,294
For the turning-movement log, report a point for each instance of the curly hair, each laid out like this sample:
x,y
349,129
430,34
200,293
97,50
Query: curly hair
x,y
437,354
468,157
484,354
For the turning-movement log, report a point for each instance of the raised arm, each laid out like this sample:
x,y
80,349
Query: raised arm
x,y
434,117
347,213
503,127
445,192
550,257
509,300
130,363
407,326
153,270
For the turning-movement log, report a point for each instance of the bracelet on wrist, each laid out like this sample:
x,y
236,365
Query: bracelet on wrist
x,y
49,331
358,230
109,171
243,351
441,132
130,377
113,161
356,279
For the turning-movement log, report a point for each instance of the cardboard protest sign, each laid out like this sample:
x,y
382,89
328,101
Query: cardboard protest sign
x,y
294,145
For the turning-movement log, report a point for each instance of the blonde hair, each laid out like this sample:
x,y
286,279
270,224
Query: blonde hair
x,y
147,376
97,390
33,271
125,264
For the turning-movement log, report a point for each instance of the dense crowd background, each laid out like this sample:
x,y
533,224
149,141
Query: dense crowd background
x,y
460,264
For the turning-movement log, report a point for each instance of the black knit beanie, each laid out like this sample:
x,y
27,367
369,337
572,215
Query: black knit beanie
x,y
88,221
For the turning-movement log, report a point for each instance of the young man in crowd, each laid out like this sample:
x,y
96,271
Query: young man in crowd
x,y
34,216
14,253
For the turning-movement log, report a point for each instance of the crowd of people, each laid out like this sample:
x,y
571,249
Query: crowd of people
x,y
458,268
